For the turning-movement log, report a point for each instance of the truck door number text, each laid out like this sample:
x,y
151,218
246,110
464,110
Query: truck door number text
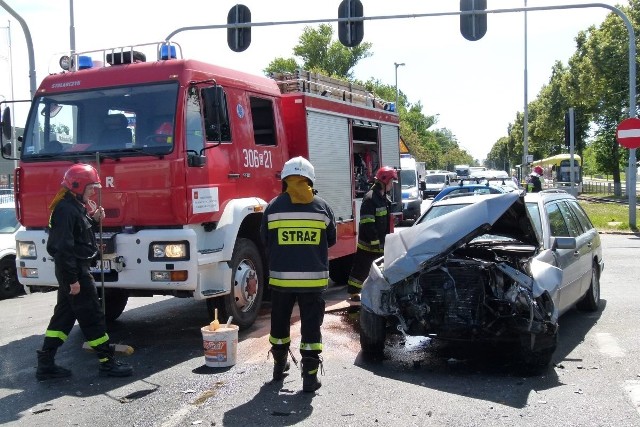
x,y
256,159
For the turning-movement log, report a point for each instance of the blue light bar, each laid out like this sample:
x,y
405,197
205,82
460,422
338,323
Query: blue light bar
x,y
167,52
84,62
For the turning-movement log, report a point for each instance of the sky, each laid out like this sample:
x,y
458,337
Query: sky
x,y
474,88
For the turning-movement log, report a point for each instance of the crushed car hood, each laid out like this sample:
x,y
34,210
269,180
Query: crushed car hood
x,y
412,249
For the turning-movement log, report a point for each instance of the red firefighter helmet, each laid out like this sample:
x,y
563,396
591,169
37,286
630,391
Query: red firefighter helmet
x,y
538,170
77,177
385,174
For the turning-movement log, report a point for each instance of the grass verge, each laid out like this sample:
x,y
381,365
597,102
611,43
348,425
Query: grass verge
x,y
608,216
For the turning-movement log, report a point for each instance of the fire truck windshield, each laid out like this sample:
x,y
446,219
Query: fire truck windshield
x,y
127,121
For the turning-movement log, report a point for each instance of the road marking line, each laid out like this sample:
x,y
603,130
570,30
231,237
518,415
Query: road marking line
x,y
608,345
632,387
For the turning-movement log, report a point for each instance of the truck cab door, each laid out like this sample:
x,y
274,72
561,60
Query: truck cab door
x,y
211,169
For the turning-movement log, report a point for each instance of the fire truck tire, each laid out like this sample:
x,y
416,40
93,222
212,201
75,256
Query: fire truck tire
x,y
340,268
9,285
115,302
247,264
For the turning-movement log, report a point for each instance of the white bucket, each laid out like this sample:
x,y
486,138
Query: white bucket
x,y
220,346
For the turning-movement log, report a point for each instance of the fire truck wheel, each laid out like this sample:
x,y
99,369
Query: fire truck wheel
x,y
115,302
247,285
9,285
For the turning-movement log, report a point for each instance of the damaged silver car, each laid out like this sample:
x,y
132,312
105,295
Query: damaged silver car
x,y
481,272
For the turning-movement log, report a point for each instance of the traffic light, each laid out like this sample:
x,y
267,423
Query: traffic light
x,y
350,34
473,26
239,39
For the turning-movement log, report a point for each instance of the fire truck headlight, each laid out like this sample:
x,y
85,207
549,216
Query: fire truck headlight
x,y
174,251
27,250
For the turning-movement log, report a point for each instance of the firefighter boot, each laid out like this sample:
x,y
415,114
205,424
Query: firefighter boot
x,y
310,381
280,362
109,366
47,368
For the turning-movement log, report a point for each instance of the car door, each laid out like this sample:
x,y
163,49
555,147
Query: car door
x,y
566,258
591,240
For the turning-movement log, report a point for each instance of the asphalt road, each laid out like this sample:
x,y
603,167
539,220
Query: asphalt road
x,y
594,379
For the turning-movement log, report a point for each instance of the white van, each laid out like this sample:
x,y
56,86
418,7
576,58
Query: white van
x,y
411,193
435,182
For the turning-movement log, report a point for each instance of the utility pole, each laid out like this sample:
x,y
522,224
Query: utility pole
x,y
397,65
525,125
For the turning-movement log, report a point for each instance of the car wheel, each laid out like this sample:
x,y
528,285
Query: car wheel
x,y
247,265
114,303
9,284
591,300
372,332
537,357
340,268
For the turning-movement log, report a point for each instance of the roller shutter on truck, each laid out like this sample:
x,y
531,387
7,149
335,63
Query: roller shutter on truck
x,y
329,153
390,146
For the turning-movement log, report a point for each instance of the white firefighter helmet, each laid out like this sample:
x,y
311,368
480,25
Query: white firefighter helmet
x,y
299,166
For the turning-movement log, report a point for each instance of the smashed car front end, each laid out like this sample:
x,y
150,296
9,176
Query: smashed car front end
x,y
453,278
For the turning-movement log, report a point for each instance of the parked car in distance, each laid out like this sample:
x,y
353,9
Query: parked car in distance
x,y
9,226
498,268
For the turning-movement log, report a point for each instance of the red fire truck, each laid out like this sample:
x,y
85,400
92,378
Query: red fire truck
x,y
189,154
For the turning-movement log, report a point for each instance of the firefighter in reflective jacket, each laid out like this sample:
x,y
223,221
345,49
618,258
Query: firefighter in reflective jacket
x,y
297,229
374,225
72,245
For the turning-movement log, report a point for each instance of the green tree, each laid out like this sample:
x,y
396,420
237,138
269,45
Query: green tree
x,y
321,53
281,65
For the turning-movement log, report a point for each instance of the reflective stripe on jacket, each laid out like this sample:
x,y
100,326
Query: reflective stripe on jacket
x,y
297,238
374,222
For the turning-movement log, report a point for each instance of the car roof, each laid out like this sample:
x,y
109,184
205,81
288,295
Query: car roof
x,y
547,195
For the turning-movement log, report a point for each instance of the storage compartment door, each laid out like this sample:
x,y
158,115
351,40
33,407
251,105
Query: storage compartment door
x,y
331,157
390,146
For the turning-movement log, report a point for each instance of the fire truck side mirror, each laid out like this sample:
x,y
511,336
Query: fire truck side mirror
x,y
6,123
239,39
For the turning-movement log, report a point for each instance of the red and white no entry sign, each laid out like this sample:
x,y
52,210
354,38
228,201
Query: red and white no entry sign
x,y
628,133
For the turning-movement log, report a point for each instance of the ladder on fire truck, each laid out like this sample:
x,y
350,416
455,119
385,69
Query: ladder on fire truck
x,y
319,84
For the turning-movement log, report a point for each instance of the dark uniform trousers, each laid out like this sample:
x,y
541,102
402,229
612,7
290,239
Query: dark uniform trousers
x,y
85,307
311,305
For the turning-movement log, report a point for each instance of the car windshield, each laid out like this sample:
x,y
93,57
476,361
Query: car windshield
x,y
434,179
129,120
408,178
8,221
534,213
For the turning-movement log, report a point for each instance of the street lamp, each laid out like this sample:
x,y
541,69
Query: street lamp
x,y
397,65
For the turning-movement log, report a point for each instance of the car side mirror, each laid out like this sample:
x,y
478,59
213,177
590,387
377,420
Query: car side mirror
x,y
563,242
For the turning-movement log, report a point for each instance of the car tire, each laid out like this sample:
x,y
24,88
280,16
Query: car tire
x,y
340,268
245,261
9,284
114,303
539,357
591,300
373,332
